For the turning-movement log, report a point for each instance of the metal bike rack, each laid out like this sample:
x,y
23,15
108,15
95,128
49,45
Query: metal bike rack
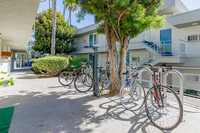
x,y
150,72
96,91
181,80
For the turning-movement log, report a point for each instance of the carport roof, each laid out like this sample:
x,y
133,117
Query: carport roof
x,y
16,20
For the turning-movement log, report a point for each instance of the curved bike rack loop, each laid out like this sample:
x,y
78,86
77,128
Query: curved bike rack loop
x,y
150,72
181,80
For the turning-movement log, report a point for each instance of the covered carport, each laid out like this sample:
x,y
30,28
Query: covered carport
x,y
17,18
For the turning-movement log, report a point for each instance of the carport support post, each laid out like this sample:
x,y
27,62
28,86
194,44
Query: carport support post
x,y
96,91
96,78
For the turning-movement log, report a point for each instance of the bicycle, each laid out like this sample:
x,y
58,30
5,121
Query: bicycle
x,y
162,104
79,75
132,93
66,77
101,74
84,81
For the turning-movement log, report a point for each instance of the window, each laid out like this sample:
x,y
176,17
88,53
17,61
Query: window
x,y
96,39
93,39
193,38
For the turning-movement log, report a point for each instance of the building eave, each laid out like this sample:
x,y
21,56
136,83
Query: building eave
x,y
186,19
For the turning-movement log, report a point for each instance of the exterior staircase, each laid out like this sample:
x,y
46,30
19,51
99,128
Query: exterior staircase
x,y
157,48
156,54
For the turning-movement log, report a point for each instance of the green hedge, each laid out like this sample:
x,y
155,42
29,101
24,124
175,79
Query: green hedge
x,y
75,62
52,65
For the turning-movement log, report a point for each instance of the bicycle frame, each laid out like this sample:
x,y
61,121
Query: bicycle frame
x,y
129,83
157,92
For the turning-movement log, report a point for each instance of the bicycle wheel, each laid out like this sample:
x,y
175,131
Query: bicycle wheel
x,y
166,112
83,82
66,78
132,95
107,82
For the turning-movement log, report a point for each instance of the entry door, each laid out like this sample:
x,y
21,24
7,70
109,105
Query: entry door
x,y
166,39
127,59
91,59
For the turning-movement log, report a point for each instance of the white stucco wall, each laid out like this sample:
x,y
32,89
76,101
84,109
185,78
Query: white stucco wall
x,y
84,41
5,62
192,47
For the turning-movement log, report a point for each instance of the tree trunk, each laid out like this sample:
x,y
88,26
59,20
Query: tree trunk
x,y
53,29
49,4
69,19
64,9
123,54
112,49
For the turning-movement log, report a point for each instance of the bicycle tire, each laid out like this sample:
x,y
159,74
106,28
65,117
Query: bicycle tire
x,y
134,102
89,86
180,116
69,73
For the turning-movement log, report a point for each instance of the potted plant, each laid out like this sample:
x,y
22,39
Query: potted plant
x,y
6,79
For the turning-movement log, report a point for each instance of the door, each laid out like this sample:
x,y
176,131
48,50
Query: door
x,y
166,40
127,58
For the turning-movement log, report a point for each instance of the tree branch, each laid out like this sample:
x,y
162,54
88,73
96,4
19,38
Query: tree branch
x,y
117,34
120,16
152,2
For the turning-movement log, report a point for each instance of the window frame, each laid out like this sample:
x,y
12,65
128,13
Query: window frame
x,y
93,40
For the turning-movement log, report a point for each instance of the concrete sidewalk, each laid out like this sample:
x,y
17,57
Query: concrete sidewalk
x,y
44,106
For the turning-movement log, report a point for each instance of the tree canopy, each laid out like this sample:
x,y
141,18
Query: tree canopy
x,y
121,20
126,17
43,33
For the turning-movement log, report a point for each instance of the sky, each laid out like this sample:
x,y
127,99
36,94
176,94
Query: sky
x,y
89,19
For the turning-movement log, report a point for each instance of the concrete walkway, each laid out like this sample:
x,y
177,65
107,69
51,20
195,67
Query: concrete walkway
x,y
43,106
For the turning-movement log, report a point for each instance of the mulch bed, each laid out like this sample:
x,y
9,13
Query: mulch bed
x,y
42,75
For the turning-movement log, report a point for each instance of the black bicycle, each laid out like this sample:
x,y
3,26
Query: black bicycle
x,y
162,104
81,76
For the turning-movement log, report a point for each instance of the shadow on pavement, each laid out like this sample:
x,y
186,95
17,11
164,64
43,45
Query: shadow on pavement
x,y
139,120
52,112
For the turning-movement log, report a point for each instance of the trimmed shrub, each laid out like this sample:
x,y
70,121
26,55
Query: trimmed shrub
x,y
50,65
75,62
